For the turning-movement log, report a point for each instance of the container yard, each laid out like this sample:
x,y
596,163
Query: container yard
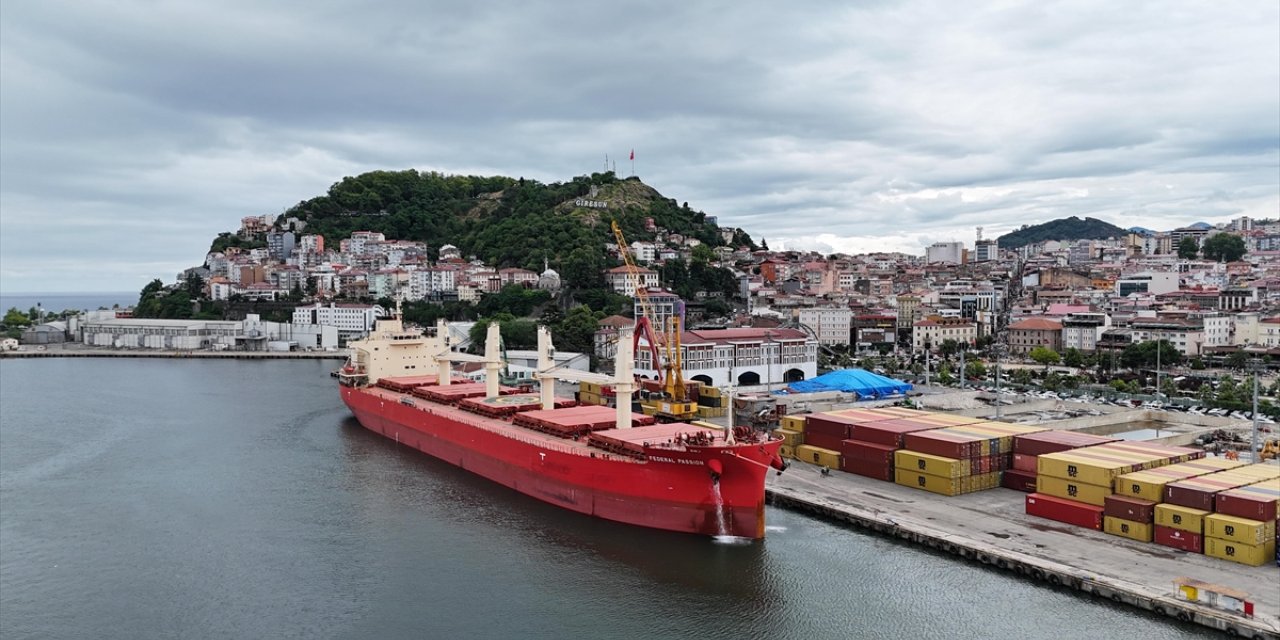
x,y
1161,527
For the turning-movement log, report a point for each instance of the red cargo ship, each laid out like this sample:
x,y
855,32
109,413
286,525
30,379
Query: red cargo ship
x,y
601,461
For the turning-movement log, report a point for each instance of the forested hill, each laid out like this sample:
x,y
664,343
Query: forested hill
x,y
507,222
1072,228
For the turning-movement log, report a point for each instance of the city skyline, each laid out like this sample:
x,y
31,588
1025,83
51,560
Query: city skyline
x,y
133,134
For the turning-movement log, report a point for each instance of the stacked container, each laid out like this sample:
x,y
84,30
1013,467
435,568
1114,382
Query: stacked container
x,y
1131,511
1085,476
960,459
870,449
1225,535
1255,503
1027,448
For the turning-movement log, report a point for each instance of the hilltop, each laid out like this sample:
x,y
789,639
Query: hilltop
x,y
507,222
1072,228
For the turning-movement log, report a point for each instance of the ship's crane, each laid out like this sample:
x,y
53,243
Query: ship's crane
x,y
675,405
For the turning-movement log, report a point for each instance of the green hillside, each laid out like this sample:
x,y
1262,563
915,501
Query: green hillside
x,y
1072,228
507,222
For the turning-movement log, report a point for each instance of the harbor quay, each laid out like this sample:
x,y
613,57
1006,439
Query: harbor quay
x,y
991,528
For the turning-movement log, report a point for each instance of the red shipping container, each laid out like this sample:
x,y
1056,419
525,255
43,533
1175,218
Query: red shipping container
x,y
819,424
1065,511
1129,508
1024,462
1255,502
868,469
947,445
823,440
1019,480
1040,443
1178,539
867,452
889,432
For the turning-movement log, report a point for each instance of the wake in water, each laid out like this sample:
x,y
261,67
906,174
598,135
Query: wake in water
x,y
774,528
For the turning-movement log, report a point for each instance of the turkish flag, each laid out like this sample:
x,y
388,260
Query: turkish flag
x,y
633,154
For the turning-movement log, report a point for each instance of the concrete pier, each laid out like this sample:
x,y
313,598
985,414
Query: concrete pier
x,y
991,528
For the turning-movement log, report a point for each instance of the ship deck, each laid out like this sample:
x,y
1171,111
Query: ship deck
x,y
586,419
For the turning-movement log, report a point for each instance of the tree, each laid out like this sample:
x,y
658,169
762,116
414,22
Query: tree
x,y
1237,360
1188,249
1073,358
15,318
1144,354
1045,356
703,253
1224,247
975,369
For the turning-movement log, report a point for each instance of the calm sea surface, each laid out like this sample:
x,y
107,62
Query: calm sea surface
x,y
54,302
239,499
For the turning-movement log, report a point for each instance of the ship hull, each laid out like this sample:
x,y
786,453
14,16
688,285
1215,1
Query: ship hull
x,y
676,496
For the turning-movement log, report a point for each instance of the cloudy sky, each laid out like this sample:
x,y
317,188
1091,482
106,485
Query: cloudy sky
x,y
132,132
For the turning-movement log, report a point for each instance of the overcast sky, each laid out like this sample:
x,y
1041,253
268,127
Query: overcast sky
x,y
133,132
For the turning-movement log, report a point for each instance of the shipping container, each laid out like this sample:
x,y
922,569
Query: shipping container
x,y
1242,530
787,451
1024,462
930,483
822,440
1065,511
867,452
868,468
1140,531
1178,539
1072,490
1256,501
1037,444
1024,481
791,438
794,422
1199,492
1179,517
888,433
1100,465
1130,508
828,458
1253,555
1149,484
930,464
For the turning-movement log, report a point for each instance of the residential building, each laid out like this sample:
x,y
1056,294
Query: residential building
x,y
945,252
1081,331
1030,333
831,325
931,333
623,282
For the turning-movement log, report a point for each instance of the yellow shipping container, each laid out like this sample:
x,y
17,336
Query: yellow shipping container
x,y
709,425
1242,530
932,484
819,456
791,438
930,464
1071,490
793,423
980,482
1096,465
1149,484
1181,518
1254,555
649,409
1261,471
787,451
710,392
1140,531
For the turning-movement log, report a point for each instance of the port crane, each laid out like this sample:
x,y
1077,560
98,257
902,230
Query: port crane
x,y
674,405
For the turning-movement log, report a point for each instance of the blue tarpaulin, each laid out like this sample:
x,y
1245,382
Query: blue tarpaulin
x,y
867,385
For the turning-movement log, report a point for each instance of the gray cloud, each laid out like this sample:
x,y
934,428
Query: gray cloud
x,y
133,132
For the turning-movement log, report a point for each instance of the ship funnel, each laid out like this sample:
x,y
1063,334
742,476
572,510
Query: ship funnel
x,y
444,370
